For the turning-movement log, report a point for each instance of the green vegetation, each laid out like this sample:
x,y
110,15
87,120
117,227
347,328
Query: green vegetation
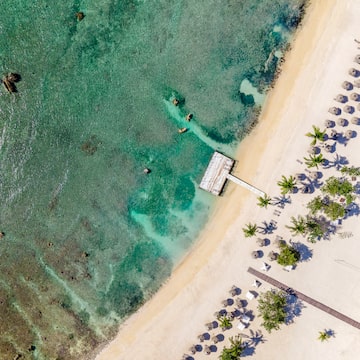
x,y
314,160
272,309
224,322
316,205
324,335
287,184
288,255
334,210
264,201
234,351
315,229
338,187
316,135
298,225
352,171
250,230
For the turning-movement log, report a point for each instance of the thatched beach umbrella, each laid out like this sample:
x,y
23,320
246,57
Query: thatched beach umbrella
x,y
349,109
313,150
341,122
201,337
355,120
328,148
349,134
347,85
333,134
341,98
273,255
209,325
335,110
353,72
240,303
313,175
207,350
357,59
279,243
255,254
215,339
193,349
261,242
329,123
357,83
355,97
227,302
234,290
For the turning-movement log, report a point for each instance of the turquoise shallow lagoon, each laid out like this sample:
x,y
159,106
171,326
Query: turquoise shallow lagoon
x,y
88,236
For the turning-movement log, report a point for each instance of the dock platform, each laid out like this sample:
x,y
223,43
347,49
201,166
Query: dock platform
x,y
218,172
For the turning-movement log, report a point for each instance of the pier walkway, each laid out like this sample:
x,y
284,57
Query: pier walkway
x,y
244,184
305,298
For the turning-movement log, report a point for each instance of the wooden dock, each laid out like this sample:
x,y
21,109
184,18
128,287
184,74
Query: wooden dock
x,y
218,172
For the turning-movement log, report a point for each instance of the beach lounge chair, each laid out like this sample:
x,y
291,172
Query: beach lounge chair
x,y
241,326
256,283
245,319
265,266
250,295
288,268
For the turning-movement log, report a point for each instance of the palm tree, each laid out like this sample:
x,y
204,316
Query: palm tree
x,y
315,205
288,255
234,351
287,184
298,225
314,228
352,171
272,308
225,322
323,335
264,201
250,230
317,135
334,186
314,160
334,210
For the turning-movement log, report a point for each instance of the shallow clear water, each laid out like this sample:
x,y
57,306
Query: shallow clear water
x,y
89,236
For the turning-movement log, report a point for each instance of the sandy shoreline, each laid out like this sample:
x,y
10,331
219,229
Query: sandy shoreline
x,y
165,326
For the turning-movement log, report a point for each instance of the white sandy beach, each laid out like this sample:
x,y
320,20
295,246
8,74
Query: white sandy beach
x,y
166,326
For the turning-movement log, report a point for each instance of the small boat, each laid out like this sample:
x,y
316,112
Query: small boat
x,y
182,130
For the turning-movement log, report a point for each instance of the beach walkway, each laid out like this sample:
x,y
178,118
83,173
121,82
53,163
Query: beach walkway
x,y
304,297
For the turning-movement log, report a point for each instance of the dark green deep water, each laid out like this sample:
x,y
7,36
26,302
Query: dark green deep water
x,y
89,237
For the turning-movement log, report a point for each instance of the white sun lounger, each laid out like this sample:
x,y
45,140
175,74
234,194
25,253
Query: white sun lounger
x,y
249,295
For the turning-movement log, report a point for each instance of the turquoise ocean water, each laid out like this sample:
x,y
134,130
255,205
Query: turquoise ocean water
x,y
88,236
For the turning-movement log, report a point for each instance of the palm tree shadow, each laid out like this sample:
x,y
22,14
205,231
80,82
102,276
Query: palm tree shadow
x,y
341,139
252,340
282,200
337,163
268,227
293,308
305,252
248,351
352,210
